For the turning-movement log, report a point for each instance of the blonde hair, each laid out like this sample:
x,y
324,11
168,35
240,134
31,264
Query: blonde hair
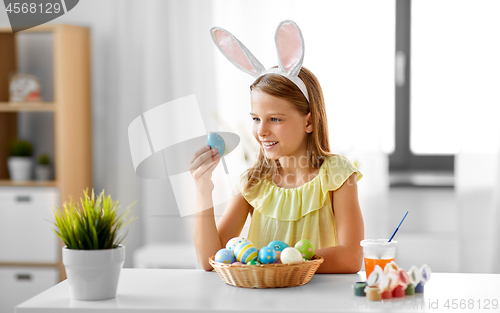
x,y
318,145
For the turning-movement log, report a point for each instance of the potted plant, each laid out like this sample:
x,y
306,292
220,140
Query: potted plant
x,y
42,169
93,256
19,162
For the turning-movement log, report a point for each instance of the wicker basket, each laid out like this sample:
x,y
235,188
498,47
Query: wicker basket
x,y
267,275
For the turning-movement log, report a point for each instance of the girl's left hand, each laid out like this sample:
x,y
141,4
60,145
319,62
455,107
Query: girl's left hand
x,y
203,164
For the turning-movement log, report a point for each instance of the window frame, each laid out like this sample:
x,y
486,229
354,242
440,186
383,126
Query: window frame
x,y
402,159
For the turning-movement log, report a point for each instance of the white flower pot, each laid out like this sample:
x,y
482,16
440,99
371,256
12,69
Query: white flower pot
x,y
20,168
42,172
93,274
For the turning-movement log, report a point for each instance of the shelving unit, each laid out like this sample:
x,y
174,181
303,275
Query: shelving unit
x,y
31,183
27,106
71,115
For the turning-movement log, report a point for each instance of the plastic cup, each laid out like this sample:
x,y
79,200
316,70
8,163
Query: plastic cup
x,y
378,252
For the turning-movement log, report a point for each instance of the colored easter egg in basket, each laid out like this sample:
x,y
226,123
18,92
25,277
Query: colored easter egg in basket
x,y
306,248
267,255
253,262
278,245
245,252
225,256
231,244
237,263
291,255
214,140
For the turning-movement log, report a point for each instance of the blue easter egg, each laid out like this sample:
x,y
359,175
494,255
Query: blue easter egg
x,y
278,245
214,140
225,256
267,255
245,252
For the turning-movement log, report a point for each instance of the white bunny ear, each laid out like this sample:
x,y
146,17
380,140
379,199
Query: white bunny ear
x,y
236,52
290,47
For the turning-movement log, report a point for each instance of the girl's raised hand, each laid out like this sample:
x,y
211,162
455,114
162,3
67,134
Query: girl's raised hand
x,y
203,164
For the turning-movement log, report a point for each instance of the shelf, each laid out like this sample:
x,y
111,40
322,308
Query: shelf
x,y
66,127
26,106
24,264
50,28
422,179
30,183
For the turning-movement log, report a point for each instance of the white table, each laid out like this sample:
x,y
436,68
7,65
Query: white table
x,y
181,290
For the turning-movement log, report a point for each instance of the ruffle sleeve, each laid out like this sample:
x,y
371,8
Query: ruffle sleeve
x,y
291,204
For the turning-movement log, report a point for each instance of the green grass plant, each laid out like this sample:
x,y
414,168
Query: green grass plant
x,y
43,159
95,224
20,148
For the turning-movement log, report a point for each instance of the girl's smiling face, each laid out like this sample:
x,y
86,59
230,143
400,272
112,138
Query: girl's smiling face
x,y
278,127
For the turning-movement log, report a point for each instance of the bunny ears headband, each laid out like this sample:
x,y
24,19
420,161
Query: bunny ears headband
x,y
289,44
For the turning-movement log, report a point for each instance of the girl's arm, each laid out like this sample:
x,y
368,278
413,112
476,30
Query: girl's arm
x,y
347,257
208,238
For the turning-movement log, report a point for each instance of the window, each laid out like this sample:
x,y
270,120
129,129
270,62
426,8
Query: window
x,y
425,136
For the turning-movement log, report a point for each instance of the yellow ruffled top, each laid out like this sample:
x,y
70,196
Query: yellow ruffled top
x,y
305,212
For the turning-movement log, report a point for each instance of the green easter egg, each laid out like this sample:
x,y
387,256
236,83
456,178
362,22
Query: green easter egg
x,y
306,248
253,262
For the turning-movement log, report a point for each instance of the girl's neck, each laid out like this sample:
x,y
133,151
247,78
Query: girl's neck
x,y
294,172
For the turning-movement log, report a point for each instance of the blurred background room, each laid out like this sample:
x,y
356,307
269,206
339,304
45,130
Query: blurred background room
x,y
411,89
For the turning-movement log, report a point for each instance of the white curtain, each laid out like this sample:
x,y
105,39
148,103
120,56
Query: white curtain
x,y
167,43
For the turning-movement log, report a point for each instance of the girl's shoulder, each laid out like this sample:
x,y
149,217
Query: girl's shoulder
x,y
335,170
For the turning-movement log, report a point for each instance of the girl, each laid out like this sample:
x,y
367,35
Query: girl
x,y
296,189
